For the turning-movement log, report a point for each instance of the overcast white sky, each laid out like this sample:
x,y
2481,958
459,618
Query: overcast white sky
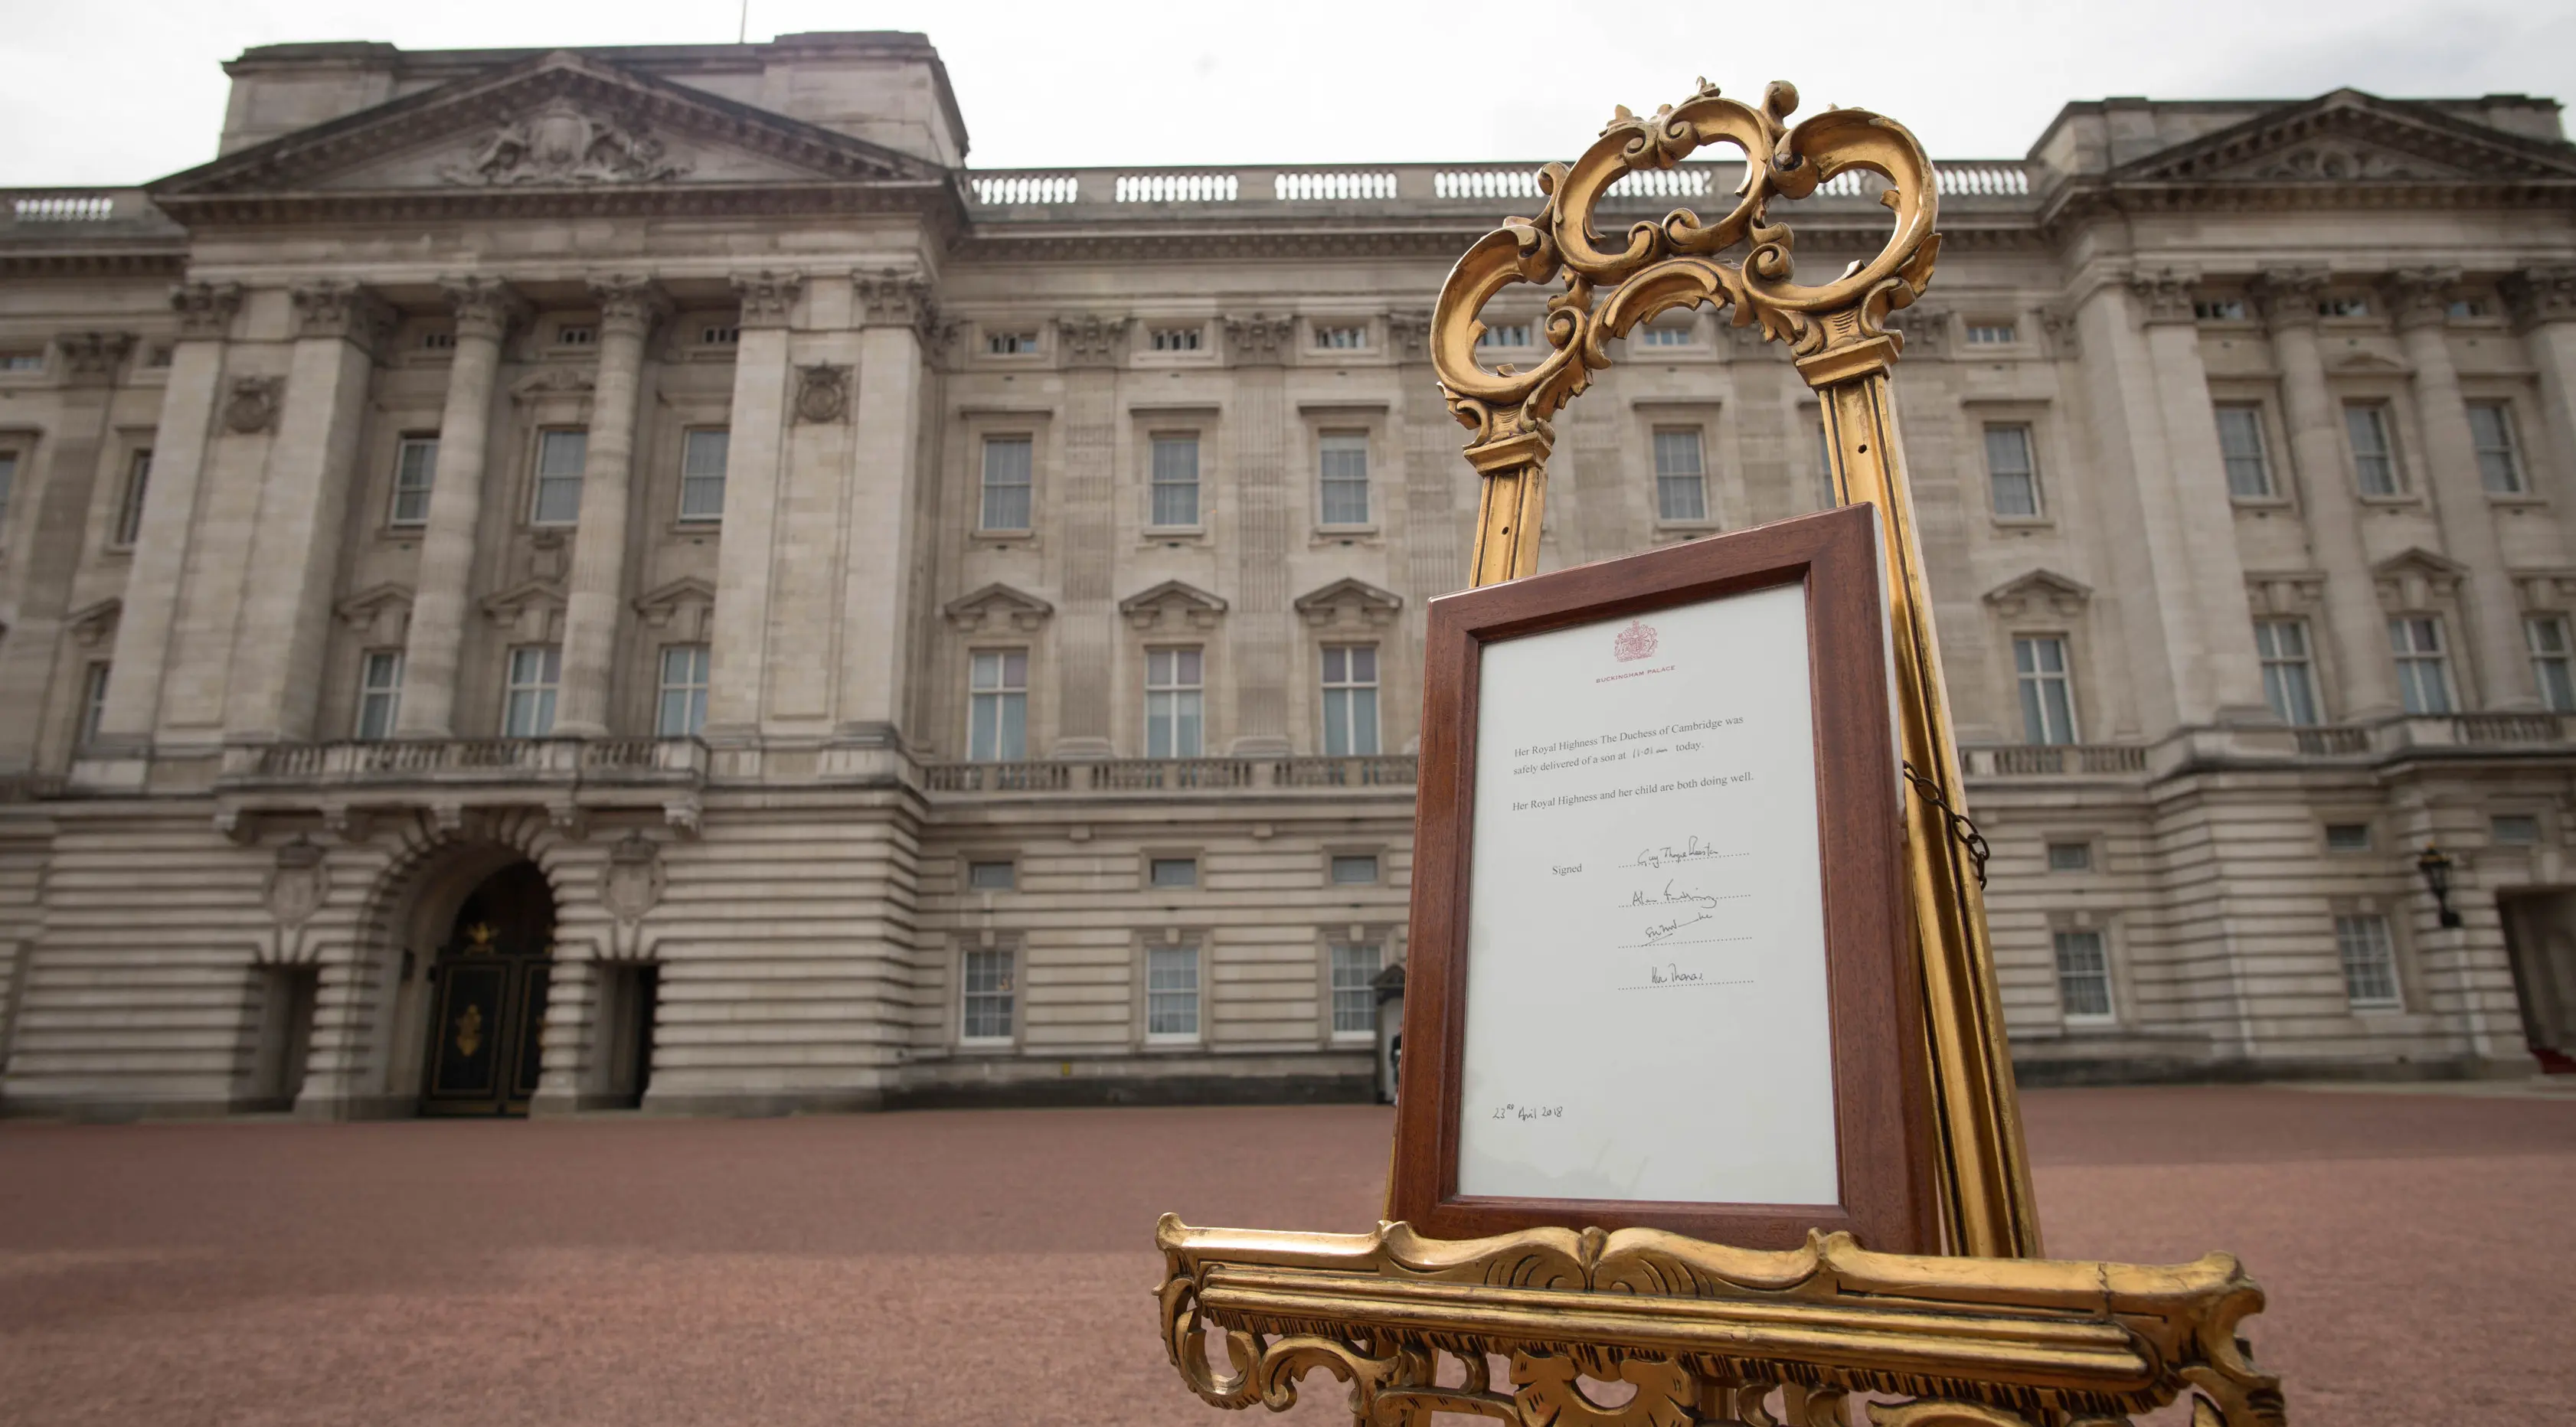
x,y
121,91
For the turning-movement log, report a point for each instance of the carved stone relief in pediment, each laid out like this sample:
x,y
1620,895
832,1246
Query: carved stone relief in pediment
x,y
564,143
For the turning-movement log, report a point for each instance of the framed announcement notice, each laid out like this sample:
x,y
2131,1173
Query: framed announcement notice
x,y
1659,972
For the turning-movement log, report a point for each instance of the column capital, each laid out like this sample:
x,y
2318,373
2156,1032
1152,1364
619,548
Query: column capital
x,y
91,358
2164,295
2288,297
2542,295
340,309
2421,297
206,308
1092,340
483,306
894,297
767,297
629,304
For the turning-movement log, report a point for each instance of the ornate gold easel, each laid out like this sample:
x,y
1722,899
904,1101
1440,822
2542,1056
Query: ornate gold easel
x,y
1992,1336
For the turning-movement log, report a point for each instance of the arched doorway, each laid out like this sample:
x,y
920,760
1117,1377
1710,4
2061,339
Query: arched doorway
x,y
489,997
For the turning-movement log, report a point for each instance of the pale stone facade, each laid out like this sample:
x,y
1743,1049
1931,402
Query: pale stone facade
x,y
943,633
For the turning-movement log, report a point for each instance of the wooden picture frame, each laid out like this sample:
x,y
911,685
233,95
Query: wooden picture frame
x,y
1869,1008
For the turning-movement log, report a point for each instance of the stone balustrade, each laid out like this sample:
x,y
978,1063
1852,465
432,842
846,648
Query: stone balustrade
x,y
541,761
1170,775
1043,193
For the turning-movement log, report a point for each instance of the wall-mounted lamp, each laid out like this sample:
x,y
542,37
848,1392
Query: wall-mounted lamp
x,y
2436,867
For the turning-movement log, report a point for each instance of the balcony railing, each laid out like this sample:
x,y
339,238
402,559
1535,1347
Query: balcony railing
x,y
1170,775
2331,742
2509,728
2056,759
468,760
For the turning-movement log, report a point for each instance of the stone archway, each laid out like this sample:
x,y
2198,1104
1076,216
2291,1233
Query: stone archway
x,y
488,988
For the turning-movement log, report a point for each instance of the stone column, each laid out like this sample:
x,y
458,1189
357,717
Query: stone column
x,y
484,308
1086,644
739,657
2421,299
2544,302
169,513
877,597
2354,624
628,309
37,585
285,621
1264,514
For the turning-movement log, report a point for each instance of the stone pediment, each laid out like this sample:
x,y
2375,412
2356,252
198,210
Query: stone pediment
x,y
554,123
2350,137
2040,592
92,625
679,609
2416,578
532,610
1172,605
381,613
1348,602
997,608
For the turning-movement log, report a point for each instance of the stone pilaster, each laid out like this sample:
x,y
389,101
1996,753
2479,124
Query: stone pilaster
x,y
739,652
2421,301
144,628
877,604
2544,306
628,310
2327,499
485,308
284,624
36,583
1086,516
1264,515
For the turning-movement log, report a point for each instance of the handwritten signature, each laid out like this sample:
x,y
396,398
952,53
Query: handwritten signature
x,y
1692,850
1662,930
1671,974
1671,895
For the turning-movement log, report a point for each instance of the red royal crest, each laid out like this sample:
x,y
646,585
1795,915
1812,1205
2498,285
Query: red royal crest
x,y
1637,641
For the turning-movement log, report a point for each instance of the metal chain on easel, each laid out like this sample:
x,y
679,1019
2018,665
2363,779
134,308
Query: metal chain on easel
x,y
1960,825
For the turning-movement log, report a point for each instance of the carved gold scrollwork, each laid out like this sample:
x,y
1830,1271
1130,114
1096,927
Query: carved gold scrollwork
x,y
1609,288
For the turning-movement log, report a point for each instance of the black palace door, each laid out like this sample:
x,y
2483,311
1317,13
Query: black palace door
x,y
489,998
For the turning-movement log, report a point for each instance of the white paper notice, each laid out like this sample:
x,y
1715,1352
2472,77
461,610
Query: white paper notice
x,y
1647,1015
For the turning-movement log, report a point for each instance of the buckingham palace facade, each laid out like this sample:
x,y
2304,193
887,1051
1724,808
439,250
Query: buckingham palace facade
x,y
566,579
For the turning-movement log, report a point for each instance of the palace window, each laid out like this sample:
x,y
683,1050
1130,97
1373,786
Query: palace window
x,y
380,674
703,453
2347,837
438,340
2010,473
1354,973
2499,457
2289,672
993,876
528,700
2070,857
415,467
997,718
1172,993
1010,344
129,501
1176,339
1350,700
22,361
1992,334
2240,447
2047,688
1172,872
2423,664
560,456
1681,481
1666,332
1006,482
1173,695
2083,976
2469,308
1342,459
2219,309
2369,961
8,484
1509,334
1342,338
2346,305
720,336
1175,479
2514,829
93,700
1355,869
682,709
2553,661
986,1002
576,335
2374,455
